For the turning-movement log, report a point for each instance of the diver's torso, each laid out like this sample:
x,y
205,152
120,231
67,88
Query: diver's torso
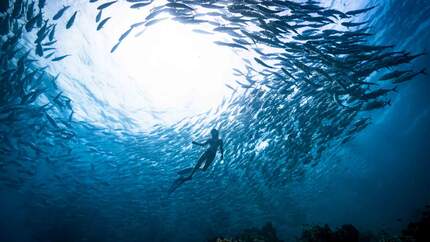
x,y
214,144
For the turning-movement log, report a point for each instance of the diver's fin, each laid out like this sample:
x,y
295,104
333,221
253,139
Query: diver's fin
x,y
177,183
186,171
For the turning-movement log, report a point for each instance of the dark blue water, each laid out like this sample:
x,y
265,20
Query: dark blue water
x,y
71,179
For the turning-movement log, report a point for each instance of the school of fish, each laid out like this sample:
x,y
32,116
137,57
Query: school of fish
x,y
311,79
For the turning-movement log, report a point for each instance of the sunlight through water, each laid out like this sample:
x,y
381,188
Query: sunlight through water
x,y
158,76
180,73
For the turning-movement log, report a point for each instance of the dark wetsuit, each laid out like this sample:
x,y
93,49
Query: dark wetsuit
x,y
203,163
209,155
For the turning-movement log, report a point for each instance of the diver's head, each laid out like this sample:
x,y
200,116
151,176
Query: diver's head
x,y
214,133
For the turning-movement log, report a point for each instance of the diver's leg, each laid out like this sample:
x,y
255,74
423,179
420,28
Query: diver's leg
x,y
177,183
209,159
201,160
185,171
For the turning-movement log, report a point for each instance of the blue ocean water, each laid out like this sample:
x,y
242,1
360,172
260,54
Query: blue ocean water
x,y
96,175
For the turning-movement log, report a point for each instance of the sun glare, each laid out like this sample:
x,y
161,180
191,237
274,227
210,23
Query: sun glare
x,y
177,71
160,73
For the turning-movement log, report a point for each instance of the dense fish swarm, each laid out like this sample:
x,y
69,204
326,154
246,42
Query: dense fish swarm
x,y
307,76
306,88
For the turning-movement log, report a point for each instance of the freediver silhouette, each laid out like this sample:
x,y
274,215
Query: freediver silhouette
x,y
204,161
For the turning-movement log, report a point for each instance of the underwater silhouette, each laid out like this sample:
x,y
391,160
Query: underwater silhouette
x,y
204,161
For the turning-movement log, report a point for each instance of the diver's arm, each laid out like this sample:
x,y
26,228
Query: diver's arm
x,y
221,149
199,144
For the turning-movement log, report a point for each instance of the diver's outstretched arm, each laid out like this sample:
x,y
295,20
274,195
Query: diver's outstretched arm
x,y
199,144
221,149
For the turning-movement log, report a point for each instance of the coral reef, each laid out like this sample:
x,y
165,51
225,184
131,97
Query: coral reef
x,y
346,233
418,231
266,234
